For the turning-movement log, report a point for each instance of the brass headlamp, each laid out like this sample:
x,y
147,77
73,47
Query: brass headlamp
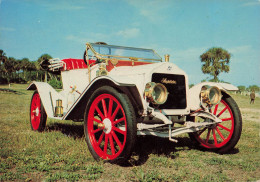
x,y
156,93
210,95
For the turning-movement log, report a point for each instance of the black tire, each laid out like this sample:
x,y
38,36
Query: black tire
x,y
38,116
110,133
230,129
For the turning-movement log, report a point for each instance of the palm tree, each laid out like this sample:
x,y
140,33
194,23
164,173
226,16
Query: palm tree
x,y
215,61
9,68
37,69
3,58
41,59
31,67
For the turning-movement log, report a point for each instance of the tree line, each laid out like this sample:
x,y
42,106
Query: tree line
x,y
23,70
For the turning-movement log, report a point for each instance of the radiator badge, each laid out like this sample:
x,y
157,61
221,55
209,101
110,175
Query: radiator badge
x,y
166,81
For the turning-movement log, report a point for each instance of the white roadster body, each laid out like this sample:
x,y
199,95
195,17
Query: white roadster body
x,y
153,94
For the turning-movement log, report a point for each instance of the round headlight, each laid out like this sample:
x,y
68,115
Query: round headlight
x,y
210,95
214,95
156,93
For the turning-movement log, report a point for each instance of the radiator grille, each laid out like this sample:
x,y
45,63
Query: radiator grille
x,y
176,87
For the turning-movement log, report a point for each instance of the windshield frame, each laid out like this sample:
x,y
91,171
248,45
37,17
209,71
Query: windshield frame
x,y
123,58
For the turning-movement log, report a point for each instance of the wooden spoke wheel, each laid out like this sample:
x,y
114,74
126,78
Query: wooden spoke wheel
x,y
110,125
221,137
38,115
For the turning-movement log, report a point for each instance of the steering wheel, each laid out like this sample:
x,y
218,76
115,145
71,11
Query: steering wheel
x,y
84,58
98,60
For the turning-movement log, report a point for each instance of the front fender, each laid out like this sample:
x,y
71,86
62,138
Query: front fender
x,y
47,94
194,92
77,109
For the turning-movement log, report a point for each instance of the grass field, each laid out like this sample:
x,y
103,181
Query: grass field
x,y
60,153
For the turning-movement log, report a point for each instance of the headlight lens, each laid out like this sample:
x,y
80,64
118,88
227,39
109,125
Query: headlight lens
x,y
156,93
210,95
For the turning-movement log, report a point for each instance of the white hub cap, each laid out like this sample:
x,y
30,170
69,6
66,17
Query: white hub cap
x,y
108,125
36,111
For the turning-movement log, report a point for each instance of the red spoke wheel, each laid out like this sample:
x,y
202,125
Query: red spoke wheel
x,y
110,125
38,115
221,137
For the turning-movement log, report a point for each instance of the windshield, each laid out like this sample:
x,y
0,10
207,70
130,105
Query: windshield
x,y
125,53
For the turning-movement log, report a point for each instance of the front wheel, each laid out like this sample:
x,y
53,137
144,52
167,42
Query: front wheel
x,y
38,115
221,137
110,125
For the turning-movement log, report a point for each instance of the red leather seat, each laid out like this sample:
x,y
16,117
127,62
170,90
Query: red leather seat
x,y
71,64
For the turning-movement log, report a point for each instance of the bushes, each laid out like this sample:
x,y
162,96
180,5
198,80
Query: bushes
x,y
3,80
55,83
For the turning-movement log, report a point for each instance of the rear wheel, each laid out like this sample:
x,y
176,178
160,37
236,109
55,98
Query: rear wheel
x,y
221,137
38,115
110,125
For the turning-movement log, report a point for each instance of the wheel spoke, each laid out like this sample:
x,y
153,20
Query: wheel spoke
x,y
118,130
96,130
222,111
112,144
116,139
208,135
99,112
215,110
226,119
100,138
214,136
97,120
225,128
220,134
119,120
110,107
105,146
200,132
115,112
104,107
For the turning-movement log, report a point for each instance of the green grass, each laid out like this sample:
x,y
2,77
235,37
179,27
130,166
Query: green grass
x,y
61,154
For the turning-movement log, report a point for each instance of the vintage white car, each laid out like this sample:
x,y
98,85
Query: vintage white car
x,y
121,92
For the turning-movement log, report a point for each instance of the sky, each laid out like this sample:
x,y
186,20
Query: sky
x,y
185,29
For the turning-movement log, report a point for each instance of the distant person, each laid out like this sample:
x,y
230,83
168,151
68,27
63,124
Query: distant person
x,y
252,97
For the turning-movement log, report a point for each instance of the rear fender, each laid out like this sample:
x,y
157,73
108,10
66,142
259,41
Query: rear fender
x,y
47,94
194,92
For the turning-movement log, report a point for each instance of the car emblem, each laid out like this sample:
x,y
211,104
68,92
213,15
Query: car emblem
x,y
169,68
166,81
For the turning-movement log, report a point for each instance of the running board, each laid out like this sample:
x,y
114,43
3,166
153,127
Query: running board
x,y
189,128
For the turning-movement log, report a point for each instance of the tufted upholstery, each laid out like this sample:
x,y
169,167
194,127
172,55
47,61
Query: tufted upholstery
x,y
71,64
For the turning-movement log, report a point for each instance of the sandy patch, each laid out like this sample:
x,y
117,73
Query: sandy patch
x,y
250,114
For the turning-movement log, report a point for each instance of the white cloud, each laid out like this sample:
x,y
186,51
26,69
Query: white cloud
x,y
129,33
240,49
7,29
185,55
88,37
103,37
153,10
59,4
252,3
74,38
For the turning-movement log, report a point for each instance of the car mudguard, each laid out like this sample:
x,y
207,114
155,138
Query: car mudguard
x,y
194,92
48,96
77,109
